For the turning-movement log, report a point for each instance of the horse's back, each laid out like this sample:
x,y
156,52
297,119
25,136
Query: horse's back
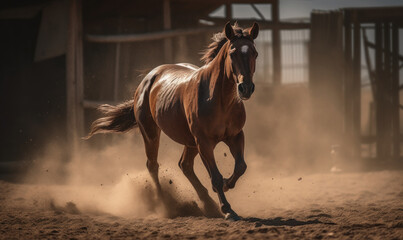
x,y
161,95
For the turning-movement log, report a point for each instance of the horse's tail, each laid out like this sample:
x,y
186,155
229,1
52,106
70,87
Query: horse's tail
x,y
118,118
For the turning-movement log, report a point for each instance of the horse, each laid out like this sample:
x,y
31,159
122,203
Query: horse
x,y
196,107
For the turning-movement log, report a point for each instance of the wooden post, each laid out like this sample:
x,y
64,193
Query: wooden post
x,y
356,91
70,76
395,92
182,52
347,81
117,65
276,39
117,73
387,127
80,72
265,60
167,25
228,11
74,76
380,92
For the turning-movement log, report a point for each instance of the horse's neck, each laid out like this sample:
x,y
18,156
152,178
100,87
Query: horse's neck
x,y
222,86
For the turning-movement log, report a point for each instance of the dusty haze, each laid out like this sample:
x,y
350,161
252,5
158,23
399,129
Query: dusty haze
x,y
110,176
288,190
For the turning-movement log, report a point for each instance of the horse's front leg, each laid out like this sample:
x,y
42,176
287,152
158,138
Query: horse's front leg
x,y
236,146
206,150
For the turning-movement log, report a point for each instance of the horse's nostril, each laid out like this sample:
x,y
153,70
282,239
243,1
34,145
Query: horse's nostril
x,y
241,88
252,88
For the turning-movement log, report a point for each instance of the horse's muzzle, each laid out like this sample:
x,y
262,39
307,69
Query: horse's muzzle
x,y
245,90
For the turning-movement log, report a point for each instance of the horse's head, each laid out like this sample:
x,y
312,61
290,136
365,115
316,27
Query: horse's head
x,y
242,60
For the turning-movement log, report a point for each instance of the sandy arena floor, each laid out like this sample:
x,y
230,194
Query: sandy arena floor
x,y
322,206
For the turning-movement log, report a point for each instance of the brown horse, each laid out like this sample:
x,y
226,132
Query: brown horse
x,y
196,107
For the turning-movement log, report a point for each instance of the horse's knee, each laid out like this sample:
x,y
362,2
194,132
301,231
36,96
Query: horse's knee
x,y
241,168
217,181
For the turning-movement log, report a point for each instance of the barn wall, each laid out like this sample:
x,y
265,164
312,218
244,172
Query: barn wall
x,y
32,94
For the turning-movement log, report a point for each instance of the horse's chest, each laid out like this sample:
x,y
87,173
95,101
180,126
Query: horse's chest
x,y
228,125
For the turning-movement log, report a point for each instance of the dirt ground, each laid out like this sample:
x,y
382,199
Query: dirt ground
x,y
321,206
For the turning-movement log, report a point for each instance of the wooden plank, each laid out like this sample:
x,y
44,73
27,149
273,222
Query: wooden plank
x,y
326,72
181,32
51,41
182,50
347,75
368,62
228,11
380,90
148,36
395,92
374,14
74,77
387,135
71,76
276,39
79,70
356,91
264,24
116,76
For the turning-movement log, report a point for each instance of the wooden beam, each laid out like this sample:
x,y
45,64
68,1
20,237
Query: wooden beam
x,y
368,62
148,36
258,11
264,24
374,14
372,45
180,32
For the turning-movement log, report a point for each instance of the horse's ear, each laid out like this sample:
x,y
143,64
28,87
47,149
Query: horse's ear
x,y
229,31
254,31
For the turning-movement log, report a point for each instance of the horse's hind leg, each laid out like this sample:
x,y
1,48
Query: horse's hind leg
x,y
186,163
151,137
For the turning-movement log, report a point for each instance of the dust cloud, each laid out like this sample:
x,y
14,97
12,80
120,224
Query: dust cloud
x,y
108,174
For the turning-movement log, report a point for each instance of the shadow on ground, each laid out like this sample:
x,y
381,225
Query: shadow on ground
x,y
279,221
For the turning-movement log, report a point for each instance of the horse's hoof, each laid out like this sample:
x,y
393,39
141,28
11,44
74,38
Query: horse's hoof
x,y
232,216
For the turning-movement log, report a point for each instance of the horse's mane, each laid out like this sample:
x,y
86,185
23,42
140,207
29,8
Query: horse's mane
x,y
219,39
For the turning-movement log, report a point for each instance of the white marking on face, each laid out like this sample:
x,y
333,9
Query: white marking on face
x,y
244,48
